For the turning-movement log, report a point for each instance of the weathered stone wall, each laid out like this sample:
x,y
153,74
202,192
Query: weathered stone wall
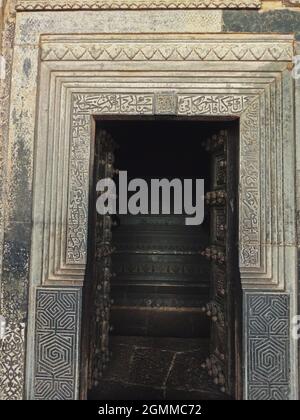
x,y
264,21
13,288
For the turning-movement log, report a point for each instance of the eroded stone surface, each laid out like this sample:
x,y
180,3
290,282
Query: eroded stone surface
x,y
276,21
31,25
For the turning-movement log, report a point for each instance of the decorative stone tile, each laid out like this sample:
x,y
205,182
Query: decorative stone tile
x,y
267,346
57,344
165,103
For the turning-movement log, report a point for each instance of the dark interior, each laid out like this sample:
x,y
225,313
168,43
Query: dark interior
x,y
159,331
160,281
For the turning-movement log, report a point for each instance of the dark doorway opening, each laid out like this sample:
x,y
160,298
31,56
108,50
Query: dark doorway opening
x,y
164,316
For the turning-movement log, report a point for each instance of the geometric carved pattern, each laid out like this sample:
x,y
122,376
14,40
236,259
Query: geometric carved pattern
x,y
12,362
56,347
267,327
135,4
146,51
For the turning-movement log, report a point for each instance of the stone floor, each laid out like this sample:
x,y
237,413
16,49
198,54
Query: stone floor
x,y
146,368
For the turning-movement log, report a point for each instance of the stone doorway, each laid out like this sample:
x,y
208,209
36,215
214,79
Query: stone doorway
x,y
74,75
164,299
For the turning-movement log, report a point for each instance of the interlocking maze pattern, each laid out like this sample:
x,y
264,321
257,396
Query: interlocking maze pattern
x,y
57,335
268,346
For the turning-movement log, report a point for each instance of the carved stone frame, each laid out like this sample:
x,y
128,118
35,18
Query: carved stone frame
x,y
263,110
206,76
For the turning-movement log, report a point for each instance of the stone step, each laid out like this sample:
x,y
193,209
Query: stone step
x,y
147,368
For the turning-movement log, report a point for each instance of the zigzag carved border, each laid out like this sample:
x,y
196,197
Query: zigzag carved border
x,y
31,5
